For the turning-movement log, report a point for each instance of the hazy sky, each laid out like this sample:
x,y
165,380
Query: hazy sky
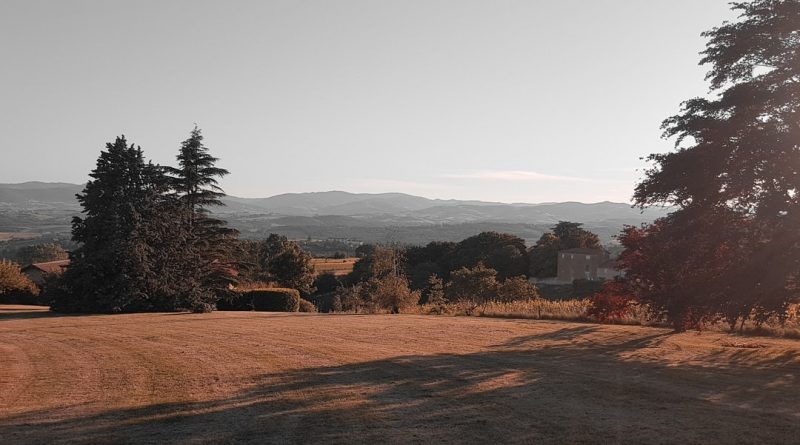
x,y
513,101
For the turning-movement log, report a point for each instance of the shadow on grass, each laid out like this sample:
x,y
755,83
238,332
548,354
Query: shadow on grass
x,y
509,394
7,314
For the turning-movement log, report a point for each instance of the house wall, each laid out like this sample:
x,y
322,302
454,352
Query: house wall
x,y
578,266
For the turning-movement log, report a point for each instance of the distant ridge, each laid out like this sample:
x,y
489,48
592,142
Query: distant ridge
x,y
379,216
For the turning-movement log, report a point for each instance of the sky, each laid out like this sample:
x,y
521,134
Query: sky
x,y
497,100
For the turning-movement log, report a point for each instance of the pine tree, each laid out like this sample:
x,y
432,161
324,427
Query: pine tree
x,y
209,243
195,178
107,270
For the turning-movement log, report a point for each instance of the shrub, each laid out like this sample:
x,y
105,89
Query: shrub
x,y
517,289
582,288
477,285
15,286
612,302
326,282
236,301
393,293
307,306
275,300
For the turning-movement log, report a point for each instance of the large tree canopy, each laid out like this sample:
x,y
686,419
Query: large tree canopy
x,y
733,178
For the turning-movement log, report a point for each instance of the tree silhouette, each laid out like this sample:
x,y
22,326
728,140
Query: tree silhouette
x,y
733,178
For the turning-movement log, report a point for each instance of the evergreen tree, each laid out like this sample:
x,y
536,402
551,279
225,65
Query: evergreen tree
x,y
107,272
209,243
195,178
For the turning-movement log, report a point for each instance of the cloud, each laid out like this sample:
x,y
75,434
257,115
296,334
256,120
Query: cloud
x,y
514,176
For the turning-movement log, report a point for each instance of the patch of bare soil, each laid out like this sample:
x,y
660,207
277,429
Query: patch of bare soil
x,y
242,377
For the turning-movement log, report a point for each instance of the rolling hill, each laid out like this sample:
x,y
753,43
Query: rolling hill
x,y
383,217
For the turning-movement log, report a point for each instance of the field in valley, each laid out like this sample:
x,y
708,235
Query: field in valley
x,y
335,266
246,377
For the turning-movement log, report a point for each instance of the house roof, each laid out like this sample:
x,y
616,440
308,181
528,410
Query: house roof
x,y
584,250
48,267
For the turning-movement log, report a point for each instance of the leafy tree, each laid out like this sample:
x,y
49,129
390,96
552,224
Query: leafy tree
x,y
392,292
326,282
14,284
732,246
292,268
505,253
381,262
564,235
378,282
517,289
422,262
41,253
476,285
278,260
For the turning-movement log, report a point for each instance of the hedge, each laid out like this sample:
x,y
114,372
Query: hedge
x,y
266,300
274,300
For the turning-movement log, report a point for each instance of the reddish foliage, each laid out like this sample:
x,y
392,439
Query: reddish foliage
x,y
613,302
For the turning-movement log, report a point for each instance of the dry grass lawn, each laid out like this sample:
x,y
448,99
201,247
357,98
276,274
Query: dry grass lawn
x,y
297,378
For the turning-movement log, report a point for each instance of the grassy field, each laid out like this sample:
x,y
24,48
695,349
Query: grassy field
x,y
338,267
245,377
7,236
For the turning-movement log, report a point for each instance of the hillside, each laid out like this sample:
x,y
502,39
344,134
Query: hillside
x,y
315,378
384,217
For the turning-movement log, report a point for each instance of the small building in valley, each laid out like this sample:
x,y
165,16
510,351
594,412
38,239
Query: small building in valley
x,y
37,272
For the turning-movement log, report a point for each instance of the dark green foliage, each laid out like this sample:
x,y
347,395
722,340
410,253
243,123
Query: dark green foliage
x,y
274,300
41,253
107,273
586,288
477,285
326,301
235,301
516,289
195,178
326,282
380,262
141,247
564,235
731,248
502,252
277,260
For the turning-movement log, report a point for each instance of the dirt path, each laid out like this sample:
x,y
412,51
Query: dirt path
x,y
299,378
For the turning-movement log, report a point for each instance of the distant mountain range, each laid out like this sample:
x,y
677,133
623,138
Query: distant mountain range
x,y
341,214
